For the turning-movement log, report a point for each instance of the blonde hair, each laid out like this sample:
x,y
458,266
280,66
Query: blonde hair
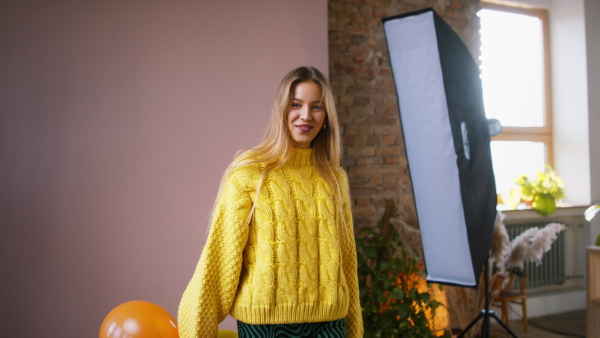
x,y
275,148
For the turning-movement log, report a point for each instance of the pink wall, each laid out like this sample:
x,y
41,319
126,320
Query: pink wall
x,y
117,119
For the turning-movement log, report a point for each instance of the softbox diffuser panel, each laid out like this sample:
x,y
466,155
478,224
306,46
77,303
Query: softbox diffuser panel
x,y
447,144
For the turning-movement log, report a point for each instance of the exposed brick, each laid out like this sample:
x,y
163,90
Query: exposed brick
x,y
363,191
344,119
364,161
390,160
387,110
456,4
375,121
385,72
360,222
336,6
361,100
406,199
387,130
362,171
362,201
388,140
360,151
356,19
346,100
390,170
360,90
390,180
376,180
380,13
361,120
361,140
339,88
360,110
359,130
335,26
350,8
367,210
391,121
336,47
377,161
359,181
365,10
391,191
374,140
377,200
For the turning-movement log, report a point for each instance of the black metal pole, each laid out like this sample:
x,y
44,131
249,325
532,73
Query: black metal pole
x,y
487,313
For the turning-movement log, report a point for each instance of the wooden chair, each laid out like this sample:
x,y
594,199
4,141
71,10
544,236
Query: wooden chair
x,y
519,297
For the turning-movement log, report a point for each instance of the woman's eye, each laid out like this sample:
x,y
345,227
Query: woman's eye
x,y
317,107
295,105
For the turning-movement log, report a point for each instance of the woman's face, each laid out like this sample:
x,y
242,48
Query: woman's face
x,y
306,114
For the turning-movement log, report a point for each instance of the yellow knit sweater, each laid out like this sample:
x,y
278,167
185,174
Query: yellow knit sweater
x,y
293,263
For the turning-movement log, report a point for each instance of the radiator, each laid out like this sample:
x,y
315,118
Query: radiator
x,y
552,269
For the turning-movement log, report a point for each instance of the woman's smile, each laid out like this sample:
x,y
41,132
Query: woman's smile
x,y
304,127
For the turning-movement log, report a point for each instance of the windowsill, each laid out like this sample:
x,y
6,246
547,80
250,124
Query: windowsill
x,y
564,213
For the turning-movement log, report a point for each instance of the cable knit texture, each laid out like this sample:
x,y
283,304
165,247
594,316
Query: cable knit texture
x,y
294,262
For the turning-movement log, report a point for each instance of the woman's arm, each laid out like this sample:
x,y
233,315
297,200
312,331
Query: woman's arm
x,y
209,295
354,323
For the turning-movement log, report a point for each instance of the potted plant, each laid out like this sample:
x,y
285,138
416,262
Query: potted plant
x,y
541,192
392,305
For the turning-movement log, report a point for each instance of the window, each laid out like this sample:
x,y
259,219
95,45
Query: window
x,y
515,73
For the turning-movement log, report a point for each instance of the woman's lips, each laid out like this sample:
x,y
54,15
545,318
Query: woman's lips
x,y
304,127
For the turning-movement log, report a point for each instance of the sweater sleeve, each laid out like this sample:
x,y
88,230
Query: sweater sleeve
x,y
209,295
354,322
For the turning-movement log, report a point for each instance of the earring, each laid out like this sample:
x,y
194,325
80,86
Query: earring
x,y
324,126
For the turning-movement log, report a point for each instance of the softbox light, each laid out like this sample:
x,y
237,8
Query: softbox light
x,y
447,144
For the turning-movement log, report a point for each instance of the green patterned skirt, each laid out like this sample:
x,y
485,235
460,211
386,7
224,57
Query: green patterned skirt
x,y
334,329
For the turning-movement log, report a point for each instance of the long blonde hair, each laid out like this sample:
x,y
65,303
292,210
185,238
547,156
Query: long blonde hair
x,y
275,148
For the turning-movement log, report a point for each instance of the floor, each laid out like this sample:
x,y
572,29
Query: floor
x,y
568,324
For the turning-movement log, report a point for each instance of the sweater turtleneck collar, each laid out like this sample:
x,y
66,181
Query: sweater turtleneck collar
x,y
301,157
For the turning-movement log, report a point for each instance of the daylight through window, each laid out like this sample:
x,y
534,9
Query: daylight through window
x,y
515,77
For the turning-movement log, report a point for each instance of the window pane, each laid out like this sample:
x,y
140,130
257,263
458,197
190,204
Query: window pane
x,y
513,158
512,68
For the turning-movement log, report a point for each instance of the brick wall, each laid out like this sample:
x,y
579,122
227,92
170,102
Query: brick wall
x,y
362,81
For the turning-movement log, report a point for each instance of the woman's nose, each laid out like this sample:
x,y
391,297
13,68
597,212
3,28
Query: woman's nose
x,y
306,113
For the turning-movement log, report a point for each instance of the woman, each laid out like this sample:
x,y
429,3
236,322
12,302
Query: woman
x,y
280,256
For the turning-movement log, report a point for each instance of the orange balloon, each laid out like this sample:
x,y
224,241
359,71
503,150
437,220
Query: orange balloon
x,y
138,319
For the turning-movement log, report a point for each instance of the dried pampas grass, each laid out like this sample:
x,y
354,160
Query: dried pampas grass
x,y
542,241
510,257
500,242
520,249
411,237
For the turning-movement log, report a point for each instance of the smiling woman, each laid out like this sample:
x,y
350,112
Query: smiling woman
x,y
307,114
281,255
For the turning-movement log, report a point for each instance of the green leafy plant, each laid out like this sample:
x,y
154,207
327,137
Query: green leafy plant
x,y
392,306
542,192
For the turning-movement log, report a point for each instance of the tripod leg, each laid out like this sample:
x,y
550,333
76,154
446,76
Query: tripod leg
x,y
486,313
503,325
485,329
473,322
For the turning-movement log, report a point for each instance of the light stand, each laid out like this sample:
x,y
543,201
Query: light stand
x,y
487,313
